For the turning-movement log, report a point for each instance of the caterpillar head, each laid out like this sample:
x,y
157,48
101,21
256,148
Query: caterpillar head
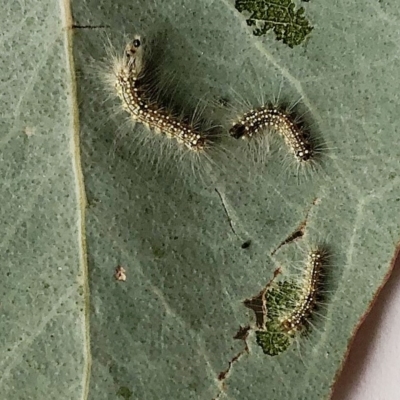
x,y
133,57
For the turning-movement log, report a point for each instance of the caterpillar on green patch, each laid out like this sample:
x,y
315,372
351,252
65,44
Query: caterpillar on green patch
x,y
310,292
290,305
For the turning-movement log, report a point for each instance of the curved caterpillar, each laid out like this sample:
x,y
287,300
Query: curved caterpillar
x,y
256,122
128,72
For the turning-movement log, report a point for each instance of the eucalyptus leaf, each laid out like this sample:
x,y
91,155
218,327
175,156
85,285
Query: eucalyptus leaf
x,y
44,339
192,249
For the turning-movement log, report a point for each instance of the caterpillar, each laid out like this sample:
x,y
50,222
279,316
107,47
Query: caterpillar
x,y
255,122
310,290
128,72
290,305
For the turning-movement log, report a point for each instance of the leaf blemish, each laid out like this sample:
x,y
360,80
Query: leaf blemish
x,y
241,334
257,304
280,16
246,244
120,273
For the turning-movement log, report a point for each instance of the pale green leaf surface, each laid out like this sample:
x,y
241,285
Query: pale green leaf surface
x,y
166,333
43,346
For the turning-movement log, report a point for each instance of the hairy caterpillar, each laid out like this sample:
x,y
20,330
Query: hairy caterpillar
x,y
128,73
256,121
150,116
310,291
268,125
291,303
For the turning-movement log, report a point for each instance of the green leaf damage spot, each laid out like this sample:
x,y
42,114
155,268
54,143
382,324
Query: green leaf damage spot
x,y
289,25
279,299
